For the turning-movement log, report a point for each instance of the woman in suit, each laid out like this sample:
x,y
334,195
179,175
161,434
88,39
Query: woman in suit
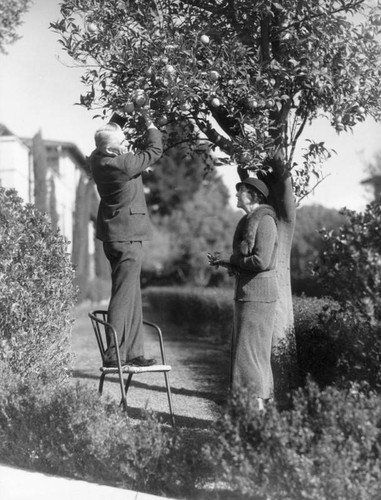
x,y
253,262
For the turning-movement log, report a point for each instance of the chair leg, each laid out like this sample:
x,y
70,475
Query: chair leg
x,y
101,381
169,399
128,382
124,399
124,390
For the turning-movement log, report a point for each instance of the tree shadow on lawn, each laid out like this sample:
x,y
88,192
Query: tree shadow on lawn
x,y
141,413
212,396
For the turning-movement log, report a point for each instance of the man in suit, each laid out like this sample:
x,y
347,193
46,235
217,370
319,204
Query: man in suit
x,y
122,225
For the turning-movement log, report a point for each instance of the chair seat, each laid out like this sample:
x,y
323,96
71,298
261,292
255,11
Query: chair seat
x,y
137,369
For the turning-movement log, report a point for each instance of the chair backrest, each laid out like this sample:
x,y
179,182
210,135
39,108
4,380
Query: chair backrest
x,y
100,326
99,321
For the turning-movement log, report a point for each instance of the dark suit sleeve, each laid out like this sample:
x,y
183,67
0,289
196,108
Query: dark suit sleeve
x,y
134,164
260,259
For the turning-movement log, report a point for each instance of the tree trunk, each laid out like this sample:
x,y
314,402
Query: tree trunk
x,y
40,168
54,219
284,360
102,265
80,252
282,199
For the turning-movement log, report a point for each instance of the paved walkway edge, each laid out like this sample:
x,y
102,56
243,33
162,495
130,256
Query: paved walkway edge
x,y
21,484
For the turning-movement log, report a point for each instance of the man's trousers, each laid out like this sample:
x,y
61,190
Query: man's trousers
x,y
125,307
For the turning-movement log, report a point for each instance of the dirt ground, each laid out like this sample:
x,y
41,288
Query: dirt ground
x,y
198,379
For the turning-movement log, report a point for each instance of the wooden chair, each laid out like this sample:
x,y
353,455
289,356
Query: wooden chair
x,y
99,322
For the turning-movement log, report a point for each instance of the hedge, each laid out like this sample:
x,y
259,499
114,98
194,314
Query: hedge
x,y
332,345
203,312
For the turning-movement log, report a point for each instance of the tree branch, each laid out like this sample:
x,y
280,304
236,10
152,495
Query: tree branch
x,y
315,186
265,38
213,136
297,135
175,144
207,6
344,8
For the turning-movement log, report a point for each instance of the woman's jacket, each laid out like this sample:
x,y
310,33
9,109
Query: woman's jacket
x,y
254,256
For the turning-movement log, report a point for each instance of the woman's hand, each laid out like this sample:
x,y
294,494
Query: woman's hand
x,y
215,259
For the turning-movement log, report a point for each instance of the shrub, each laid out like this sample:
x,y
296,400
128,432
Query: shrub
x,y
314,342
72,432
327,446
36,291
336,345
354,346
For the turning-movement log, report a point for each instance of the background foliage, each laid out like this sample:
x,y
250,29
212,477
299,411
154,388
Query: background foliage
x,y
308,244
192,216
350,266
11,12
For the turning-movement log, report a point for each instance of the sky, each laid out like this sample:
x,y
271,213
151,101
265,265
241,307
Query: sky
x,y
39,87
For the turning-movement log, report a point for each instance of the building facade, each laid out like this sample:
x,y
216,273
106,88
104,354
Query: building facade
x,y
53,175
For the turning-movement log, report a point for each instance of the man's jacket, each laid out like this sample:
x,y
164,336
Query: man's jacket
x,y
122,213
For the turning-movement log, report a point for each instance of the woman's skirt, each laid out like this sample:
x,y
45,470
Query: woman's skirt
x,y
251,347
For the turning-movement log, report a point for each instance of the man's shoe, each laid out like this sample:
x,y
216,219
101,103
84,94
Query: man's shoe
x,y
141,361
113,364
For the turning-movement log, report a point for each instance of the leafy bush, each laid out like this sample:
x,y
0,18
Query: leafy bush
x,y
327,446
36,291
352,347
336,345
72,432
314,343
350,267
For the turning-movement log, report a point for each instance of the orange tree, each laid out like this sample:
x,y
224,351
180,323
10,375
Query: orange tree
x,y
246,75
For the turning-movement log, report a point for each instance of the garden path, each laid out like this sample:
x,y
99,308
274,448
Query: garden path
x,y
199,376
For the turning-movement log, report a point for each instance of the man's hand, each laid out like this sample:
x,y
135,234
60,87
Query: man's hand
x,y
145,111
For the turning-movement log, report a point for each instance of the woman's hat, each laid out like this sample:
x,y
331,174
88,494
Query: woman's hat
x,y
256,184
